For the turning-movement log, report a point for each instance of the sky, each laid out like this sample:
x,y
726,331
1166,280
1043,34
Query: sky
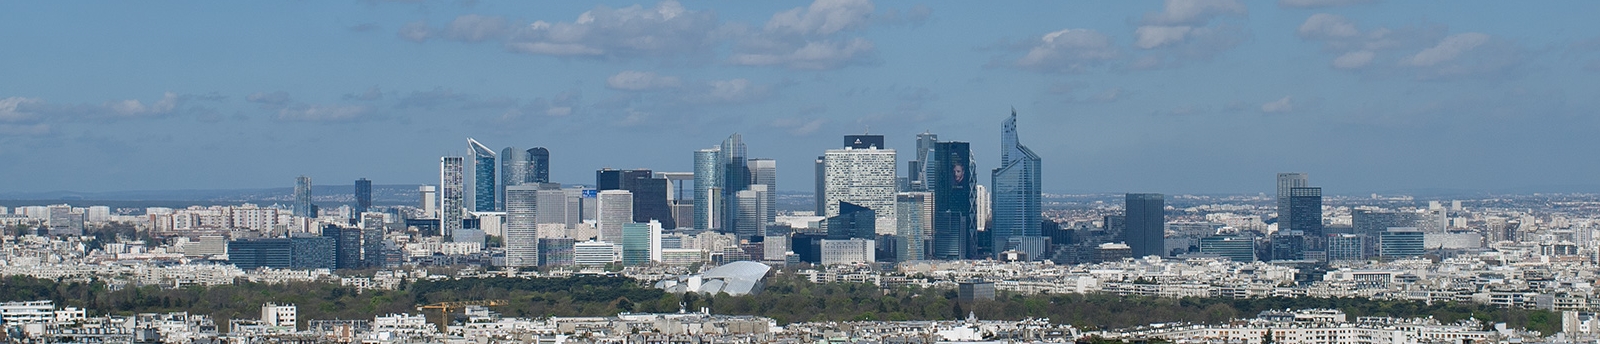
x,y
1180,96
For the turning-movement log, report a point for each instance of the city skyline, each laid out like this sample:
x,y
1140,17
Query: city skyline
x,y
1114,93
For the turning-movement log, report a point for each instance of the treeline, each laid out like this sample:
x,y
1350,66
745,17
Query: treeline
x,y
787,298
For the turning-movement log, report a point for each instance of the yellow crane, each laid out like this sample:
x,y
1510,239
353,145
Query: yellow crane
x,y
451,307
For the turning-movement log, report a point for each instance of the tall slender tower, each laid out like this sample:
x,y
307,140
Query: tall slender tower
x,y
302,197
363,196
765,172
706,183
1145,227
1286,181
918,169
539,165
735,177
1015,200
522,225
513,171
451,194
483,185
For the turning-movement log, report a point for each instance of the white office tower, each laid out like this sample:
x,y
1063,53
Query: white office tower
x,y
983,207
752,211
522,225
594,253
910,210
853,251
279,315
430,201
616,209
765,172
774,247
864,177
451,195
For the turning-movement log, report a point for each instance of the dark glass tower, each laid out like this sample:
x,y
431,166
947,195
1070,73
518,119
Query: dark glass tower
x,y
735,177
853,222
1016,195
1145,222
363,196
483,190
649,193
538,165
954,221
302,197
1305,217
513,171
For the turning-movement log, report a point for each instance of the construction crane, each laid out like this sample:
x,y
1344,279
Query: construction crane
x,y
447,308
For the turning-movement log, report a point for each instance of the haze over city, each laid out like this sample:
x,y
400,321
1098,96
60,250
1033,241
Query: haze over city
x,y
1174,97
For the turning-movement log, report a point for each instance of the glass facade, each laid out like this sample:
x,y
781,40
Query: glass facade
x,y
363,196
1016,196
302,197
954,221
1238,249
522,225
734,176
451,194
1145,224
483,177
539,165
705,181
513,171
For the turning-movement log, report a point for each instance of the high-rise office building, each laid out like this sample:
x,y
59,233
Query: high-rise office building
x,y
865,141
538,165
1401,242
753,203
641,243
302,197
513,171
521,236
552,206
249,254
1286,181
917,170
1145,226
363,197
853,221
451,195
911,211
649,193
735,177
430,201
1305,211
765,172
346,246
706,184
865,177
817,195
1015,200
616,209
483,177
954,220
983,205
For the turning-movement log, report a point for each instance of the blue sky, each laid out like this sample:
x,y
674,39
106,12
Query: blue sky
x,y
1181,96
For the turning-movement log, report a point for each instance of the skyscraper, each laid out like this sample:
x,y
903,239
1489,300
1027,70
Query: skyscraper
x,y
302,197
821,170
706,184
910,210
430,201
1145,224
451,194
616,209
1015,200
853,222
954,221
649,193
483,185
735,177
864,177
538,165
1305,211
765,172
522,225
363,197
1286,181
513,171
641,243
752,209
918,169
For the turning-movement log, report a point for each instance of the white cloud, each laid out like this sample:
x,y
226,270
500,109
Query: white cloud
x,y
272,100
1447,49
1279,106
1069,50
322,113
822,17
629,32
1328,26
813,55
475,28
1322,3
416,31
1150,36
1194,12
1354,60
134,108
641,81
13,109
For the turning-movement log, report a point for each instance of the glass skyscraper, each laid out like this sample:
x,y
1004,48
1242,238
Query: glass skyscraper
x,y
706,184
954,221
735,177
302,197
539,165
1016,195
483,165
513,171
1145,224
363,197
1286,181
521,235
